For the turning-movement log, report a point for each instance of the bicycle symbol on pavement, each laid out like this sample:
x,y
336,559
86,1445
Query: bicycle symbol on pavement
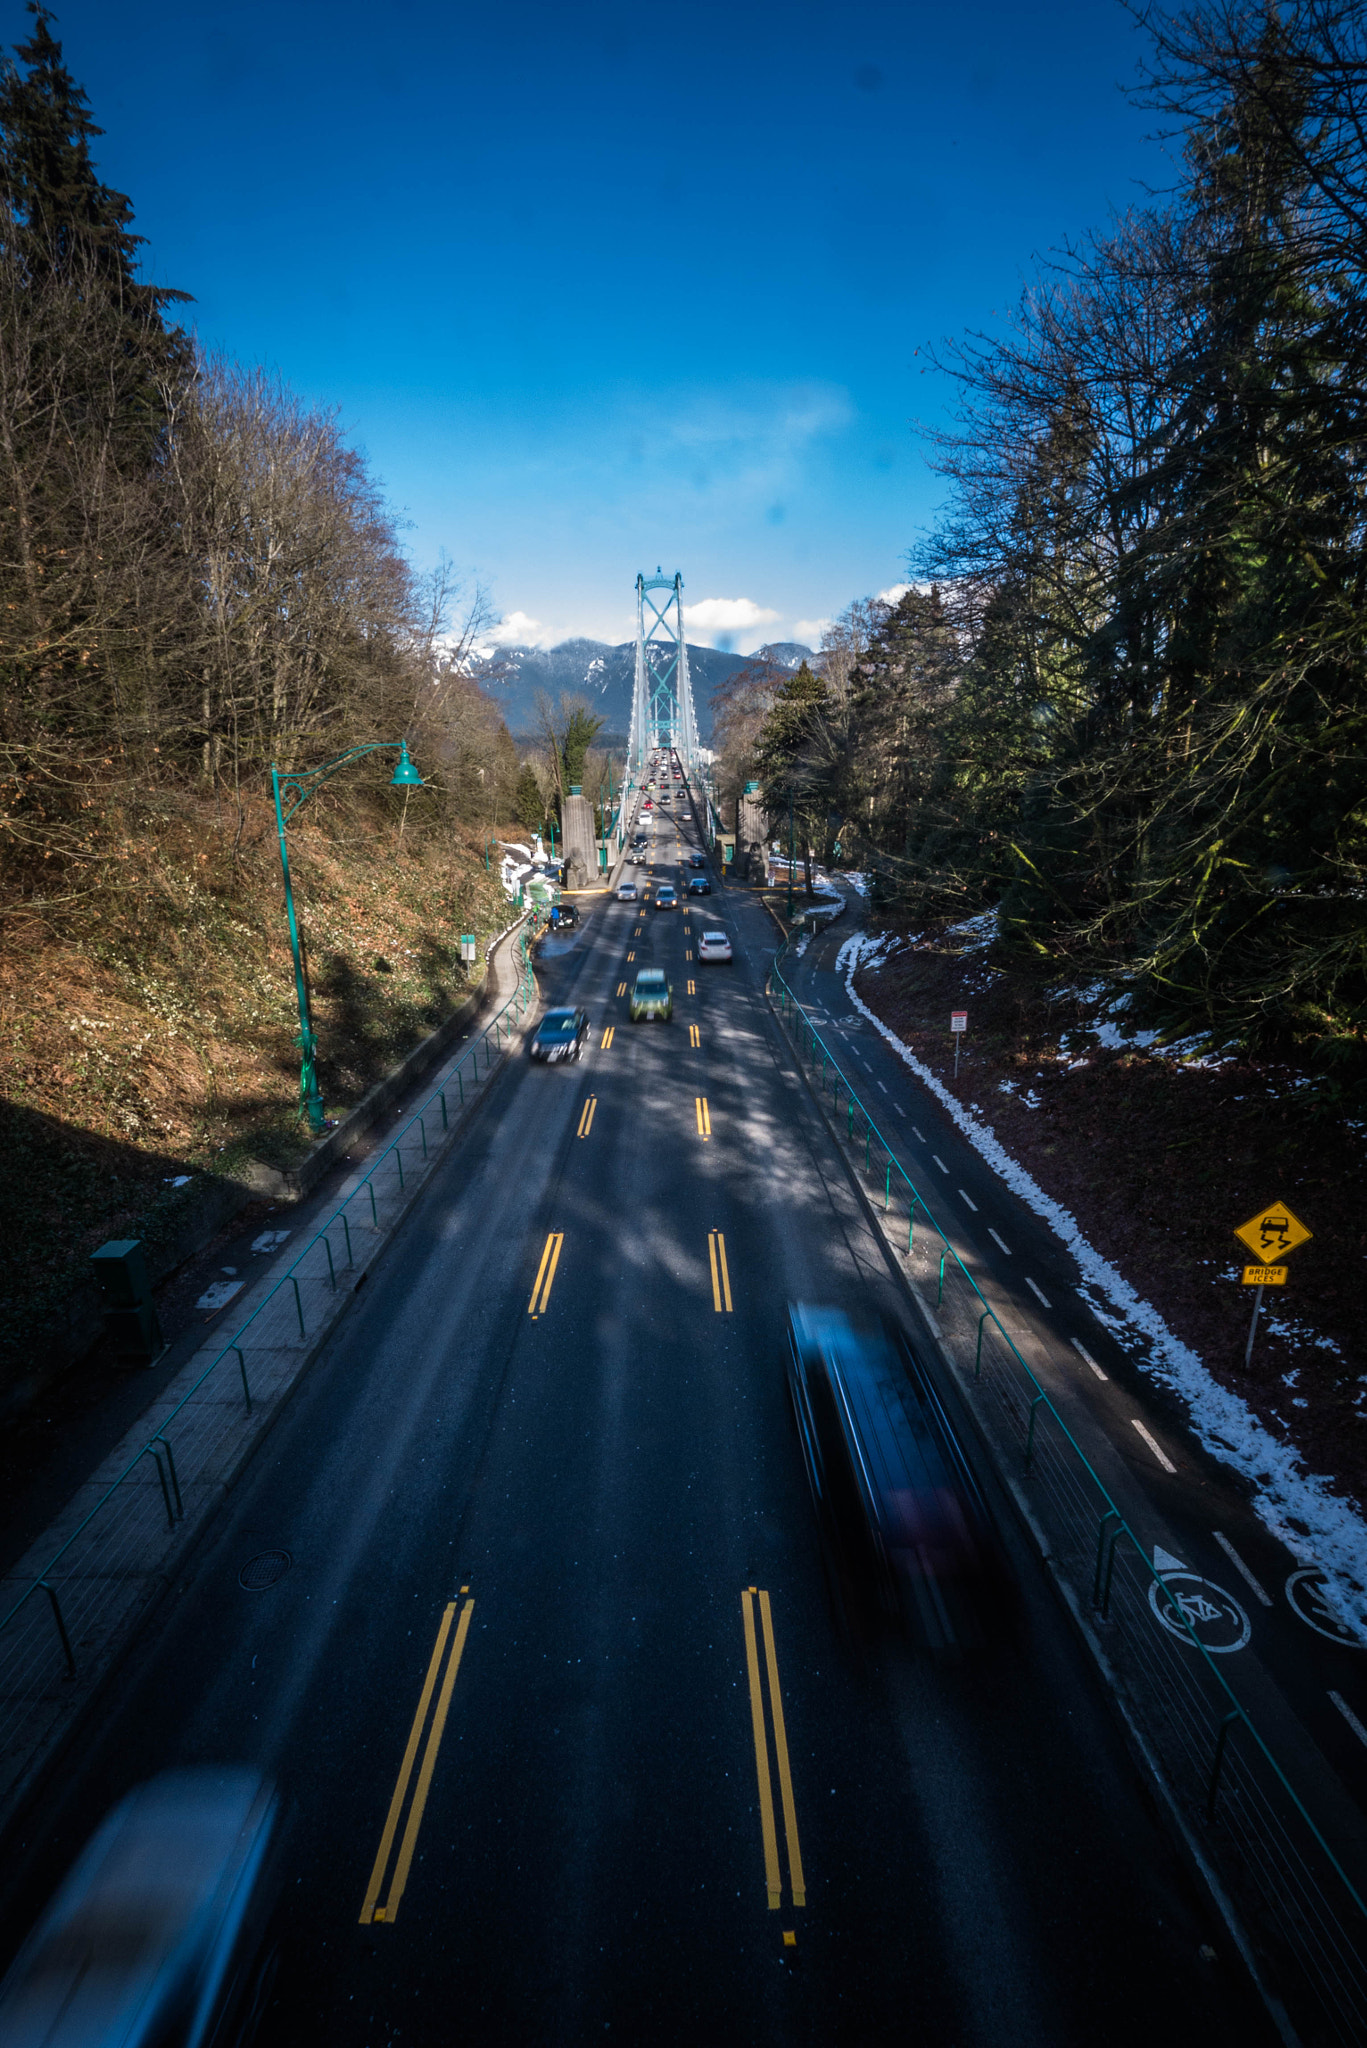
x,y
1209,1613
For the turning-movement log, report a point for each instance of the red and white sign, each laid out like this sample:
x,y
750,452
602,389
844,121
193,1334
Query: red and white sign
x,y
958,1020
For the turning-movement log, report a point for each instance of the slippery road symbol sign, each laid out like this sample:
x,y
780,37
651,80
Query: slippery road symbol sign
x,y
1217,1620
1305,1591
1272,1233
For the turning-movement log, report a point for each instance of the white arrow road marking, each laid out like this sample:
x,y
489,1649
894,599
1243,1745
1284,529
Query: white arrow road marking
x,y
1164,1561
1164,1460
1085,1354
1038,1292
1240,1567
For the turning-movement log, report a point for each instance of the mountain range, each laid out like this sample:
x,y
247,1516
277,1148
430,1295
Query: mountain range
x,y
605,675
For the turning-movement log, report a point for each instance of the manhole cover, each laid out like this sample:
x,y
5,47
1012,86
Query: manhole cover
x,y
262,1571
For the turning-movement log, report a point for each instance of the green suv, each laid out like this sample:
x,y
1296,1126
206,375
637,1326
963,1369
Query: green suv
x,y
651,996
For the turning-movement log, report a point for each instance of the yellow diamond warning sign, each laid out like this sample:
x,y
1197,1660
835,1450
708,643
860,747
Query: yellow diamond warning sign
x,y
1272,1233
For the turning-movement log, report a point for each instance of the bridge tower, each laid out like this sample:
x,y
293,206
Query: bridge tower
x,y
662,713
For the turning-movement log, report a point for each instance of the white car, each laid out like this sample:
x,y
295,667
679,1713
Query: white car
x,y
714,946
626,892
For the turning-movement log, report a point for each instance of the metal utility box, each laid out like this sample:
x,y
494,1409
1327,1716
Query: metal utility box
x,y
130,1318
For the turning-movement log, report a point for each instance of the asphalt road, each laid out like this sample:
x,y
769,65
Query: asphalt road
x,y
543,1499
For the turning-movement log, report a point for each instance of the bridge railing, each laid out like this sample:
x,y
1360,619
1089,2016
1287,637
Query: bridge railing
x,y
1306,1914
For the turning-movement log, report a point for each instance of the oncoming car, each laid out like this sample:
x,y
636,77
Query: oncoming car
x,y
714,946
651,996
665,898
626,892
559,1036
901,1514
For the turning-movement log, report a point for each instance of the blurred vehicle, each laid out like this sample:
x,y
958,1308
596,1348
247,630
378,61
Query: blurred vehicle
x,y
157,1939
698,885
626,892
651,996
899,1507
559,1036
637,860
714,946
697,860
647,805
665,897
564,917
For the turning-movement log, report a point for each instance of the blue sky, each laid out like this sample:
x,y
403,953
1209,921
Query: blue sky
x,y
598,288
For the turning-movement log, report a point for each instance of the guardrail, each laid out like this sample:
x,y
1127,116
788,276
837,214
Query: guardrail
x,y
94,1565
1306,1915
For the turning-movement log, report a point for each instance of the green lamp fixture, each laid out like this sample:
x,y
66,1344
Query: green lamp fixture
x,y
405,776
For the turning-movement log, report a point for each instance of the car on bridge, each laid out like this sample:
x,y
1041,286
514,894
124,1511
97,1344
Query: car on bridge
x,y
626,892
651,996
901,1514
697,860
714,946
559,1036
666,899
698,885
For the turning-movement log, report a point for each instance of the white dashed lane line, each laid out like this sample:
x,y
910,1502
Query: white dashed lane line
x,y
900,1111
970,1201
881,1086
1241,1568
1087,1358
1164,1460
938,1161
917,1135
997,1241
1349,1716
1038,1293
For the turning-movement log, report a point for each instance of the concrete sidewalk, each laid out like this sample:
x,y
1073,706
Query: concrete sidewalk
x,y
103,1563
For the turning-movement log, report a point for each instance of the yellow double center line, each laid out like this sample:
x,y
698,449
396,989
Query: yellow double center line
x,y
721,1278
704,1116
768,1831
586,1116
389,1911
545,1273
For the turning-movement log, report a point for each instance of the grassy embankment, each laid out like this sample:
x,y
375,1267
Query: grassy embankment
x,y
153,1035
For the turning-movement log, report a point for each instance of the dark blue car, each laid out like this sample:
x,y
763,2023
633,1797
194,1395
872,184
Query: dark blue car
x,y
901,1513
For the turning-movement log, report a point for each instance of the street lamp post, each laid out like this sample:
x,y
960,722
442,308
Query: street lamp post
x,y
291,792
790,853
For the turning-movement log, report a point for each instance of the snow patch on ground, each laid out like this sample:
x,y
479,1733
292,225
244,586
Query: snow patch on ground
x,y
977,933
1286,1494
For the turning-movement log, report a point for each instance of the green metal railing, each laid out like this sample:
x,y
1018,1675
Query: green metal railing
x,y
1291,1885
41,1639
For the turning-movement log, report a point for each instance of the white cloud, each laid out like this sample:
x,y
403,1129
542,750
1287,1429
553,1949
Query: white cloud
x,y
895,593
516,629
726,615
809,631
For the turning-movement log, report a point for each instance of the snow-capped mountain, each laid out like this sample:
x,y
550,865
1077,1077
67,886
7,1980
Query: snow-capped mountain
x,y
604,675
